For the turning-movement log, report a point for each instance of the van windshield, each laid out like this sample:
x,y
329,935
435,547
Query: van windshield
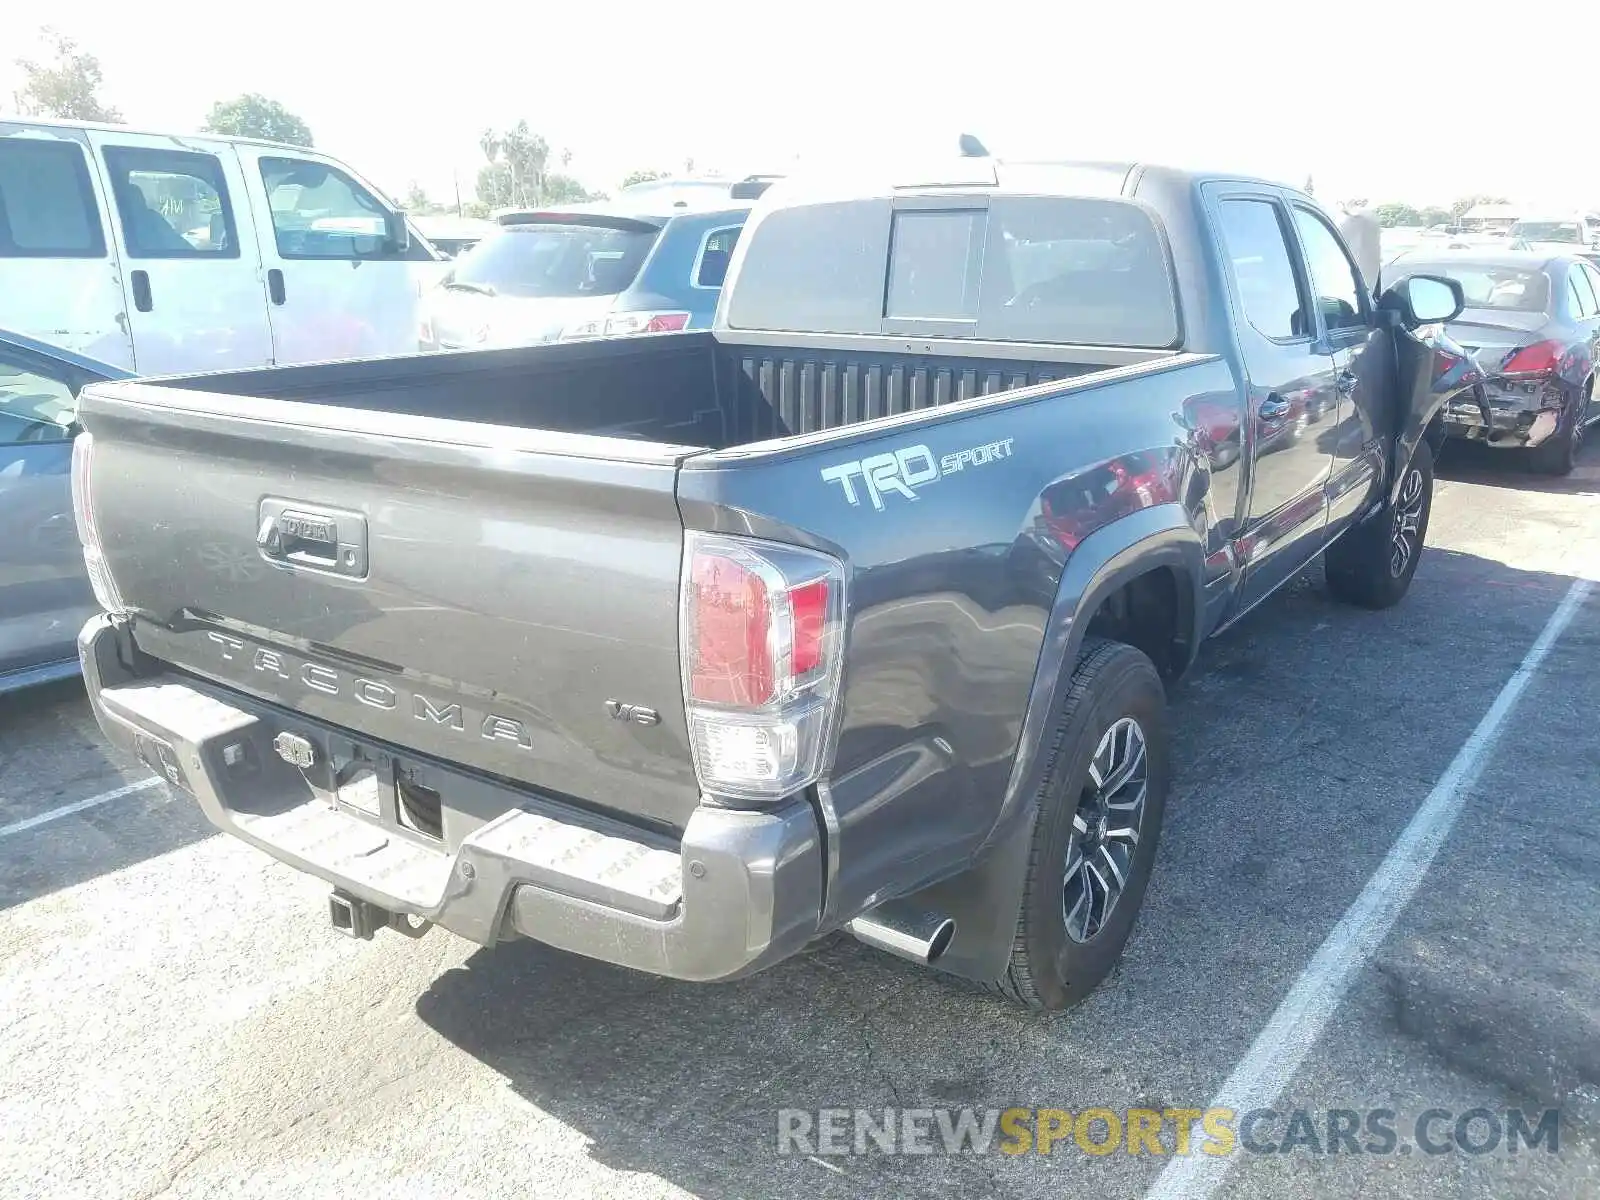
x,y
554,260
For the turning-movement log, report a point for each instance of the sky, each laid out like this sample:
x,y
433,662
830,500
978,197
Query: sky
x,y
1367,100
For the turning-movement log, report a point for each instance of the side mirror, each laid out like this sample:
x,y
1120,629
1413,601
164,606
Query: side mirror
x,y
397,234
1424,300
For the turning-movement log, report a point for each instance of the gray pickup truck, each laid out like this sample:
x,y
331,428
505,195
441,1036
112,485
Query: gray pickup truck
x,y
852,613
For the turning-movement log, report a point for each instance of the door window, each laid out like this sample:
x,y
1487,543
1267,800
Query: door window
x,y
1583,294
36,404
320,212
1263,269
712,267
1593,277
1340,293
172,203
47,205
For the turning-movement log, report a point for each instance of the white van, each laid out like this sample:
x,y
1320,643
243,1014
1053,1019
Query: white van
x,y
162,253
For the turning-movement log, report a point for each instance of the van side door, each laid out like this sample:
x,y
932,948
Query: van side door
x,y
1291,397
58,272
191,272
338,284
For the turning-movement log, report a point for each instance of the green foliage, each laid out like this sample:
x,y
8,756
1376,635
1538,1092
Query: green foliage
x,y
254,115
519,172
65,87
1392,214
418,203
645,176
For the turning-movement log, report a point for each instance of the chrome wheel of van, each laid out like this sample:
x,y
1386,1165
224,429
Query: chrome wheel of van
x,y
1407,519
1105,830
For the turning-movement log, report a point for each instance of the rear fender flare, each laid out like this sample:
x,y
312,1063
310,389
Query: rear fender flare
x,y
984,899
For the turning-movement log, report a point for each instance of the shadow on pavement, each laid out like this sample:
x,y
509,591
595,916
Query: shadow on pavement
x,y
1469,462
1300,754
52,754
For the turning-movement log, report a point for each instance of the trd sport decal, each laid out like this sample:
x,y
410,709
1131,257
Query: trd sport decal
x,y
903,471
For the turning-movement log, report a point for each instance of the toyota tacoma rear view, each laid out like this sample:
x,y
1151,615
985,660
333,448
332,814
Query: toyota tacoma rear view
x,y
852,613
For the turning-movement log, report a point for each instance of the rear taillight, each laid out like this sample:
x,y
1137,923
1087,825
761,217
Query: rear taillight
x,y
94,561
762,633
619,324
1540,358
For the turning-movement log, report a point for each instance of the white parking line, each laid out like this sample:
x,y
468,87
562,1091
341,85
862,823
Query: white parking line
x,y
1280,1048
77,806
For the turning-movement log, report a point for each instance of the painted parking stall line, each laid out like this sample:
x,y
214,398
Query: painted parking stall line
x,y
1281,1047
78,806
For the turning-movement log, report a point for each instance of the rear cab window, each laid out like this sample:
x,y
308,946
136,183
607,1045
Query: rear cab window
x,y
47,203
1002,268
556,259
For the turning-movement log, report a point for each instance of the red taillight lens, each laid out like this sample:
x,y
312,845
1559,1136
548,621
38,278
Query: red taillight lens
x,y
730,617
666,323
808,607
1538,359
762,641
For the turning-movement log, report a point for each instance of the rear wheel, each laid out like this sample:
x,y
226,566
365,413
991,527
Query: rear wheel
x,y
1372,564
1095,833
1558,454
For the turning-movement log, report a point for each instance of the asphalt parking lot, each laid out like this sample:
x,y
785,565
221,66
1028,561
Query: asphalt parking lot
x,y
177,1019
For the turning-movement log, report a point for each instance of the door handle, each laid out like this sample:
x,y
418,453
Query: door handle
x,y
275,286
141,291
1274,408
1345,381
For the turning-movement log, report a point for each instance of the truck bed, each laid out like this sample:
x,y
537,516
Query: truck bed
x,y
683,389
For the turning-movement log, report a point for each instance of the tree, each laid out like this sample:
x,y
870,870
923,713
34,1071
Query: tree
x,y
518,173
1311,189
1467,203
646,176
1391,215
1434,215
64,88
254,115
418,202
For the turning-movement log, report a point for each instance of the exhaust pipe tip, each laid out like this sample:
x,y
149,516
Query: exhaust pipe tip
x,y
905,931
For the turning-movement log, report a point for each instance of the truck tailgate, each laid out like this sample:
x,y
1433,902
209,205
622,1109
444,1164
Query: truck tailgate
x,y
488,595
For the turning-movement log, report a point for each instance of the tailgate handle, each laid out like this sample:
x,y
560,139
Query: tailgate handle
x,y
291,534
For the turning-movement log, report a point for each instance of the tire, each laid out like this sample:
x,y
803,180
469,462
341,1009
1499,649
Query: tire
x,y
1558,455
1365,566
1113,688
